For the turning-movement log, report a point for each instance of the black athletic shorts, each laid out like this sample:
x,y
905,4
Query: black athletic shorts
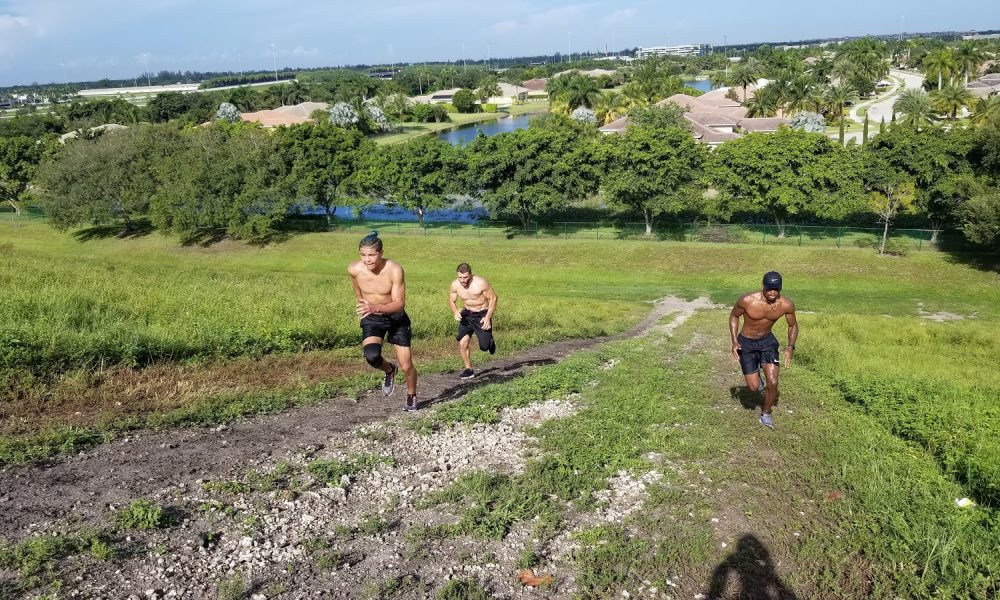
x,y
470,324
396,325
755,352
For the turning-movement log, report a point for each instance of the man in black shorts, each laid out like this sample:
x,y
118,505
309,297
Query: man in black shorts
x,y
476,317
380,289
755,347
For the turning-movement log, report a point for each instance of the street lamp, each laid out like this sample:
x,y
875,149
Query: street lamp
x,y
274,59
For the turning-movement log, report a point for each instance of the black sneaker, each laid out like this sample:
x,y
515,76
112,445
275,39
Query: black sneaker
x,y
389,383
493,347
411,403
467,374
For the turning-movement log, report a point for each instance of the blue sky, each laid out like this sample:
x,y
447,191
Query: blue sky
x,y
72,40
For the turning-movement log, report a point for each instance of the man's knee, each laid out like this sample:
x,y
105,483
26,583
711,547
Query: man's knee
x,y
373,354
464,342
405,364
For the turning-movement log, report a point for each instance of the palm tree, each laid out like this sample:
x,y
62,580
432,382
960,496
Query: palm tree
x,y
488,88
968,58
743,76
799,93
610,106
915,104
634,95
582,91
939,63
951,98
986,111
817,98
765,103
838,96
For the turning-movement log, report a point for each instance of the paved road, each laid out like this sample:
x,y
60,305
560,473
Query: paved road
x,y
882,106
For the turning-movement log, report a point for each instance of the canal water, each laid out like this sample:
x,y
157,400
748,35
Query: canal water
x,y
463,135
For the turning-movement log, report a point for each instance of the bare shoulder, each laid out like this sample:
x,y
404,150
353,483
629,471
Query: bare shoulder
x,y
788,304
454,285
394,268
481,282
352,268
746,299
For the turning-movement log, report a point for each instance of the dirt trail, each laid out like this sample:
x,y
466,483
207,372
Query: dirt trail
x,y
81,488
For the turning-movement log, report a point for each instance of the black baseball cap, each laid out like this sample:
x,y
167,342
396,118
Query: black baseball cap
x,y
772,280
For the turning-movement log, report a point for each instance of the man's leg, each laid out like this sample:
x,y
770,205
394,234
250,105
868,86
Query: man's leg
x,y
372,347
771,393
485,337
405,361
463,348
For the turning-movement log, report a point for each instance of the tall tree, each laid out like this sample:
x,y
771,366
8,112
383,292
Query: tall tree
x,y
951,98
19,157
786,174
986,111
968,57
416,175
529,171
839,96
915,104
940,63
321,158
650,171
891,193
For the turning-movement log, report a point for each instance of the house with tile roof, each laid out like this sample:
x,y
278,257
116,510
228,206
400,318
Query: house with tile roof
x,y
713,118
285,115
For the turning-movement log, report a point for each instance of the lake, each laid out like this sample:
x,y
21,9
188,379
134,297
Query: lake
x,y
463,135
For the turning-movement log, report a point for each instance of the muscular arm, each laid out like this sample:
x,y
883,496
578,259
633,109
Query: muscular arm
x,y
354,282
398,293
491,296
734,324
793,332
452,299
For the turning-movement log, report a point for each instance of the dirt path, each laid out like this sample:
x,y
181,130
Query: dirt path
x,y
81,490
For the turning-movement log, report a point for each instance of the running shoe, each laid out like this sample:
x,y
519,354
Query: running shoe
x,y
467,374
767,421
389,383
763,382
493,347
411,403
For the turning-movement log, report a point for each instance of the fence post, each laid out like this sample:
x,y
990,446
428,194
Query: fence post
x,y
840,235
800,237
691,233
920,242
763,235
598,230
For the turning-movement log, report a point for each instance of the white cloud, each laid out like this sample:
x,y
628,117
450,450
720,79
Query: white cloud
x,y
620,16
560,16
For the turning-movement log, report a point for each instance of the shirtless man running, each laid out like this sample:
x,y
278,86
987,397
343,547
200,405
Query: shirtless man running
x,y
476,317
755,346
380,289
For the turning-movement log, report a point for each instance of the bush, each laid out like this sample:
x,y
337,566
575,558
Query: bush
x,y
488,108
143,514
464,101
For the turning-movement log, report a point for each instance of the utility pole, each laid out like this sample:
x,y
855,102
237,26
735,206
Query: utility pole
x,y
274,59
464,66
570,47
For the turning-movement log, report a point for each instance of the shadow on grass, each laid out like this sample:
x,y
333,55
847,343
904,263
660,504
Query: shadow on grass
x,y
486,377
138,229
751,567
750,400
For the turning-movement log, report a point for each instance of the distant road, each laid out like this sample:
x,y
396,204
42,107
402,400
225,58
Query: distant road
x,y
184,88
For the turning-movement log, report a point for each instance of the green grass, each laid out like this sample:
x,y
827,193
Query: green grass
x,y
143,514
331,471
891,530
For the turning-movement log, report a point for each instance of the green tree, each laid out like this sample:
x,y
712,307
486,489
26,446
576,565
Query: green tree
x,y
744,75
464,101
108,180
980,218
915,104
416,175
967,58
951,98
940,64
526,172
986,112
321,158
19,157
165,106
650,171
610,106
838,97
891,192
228,180
488,88
785,174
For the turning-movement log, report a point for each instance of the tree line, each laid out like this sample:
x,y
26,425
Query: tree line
x,y
242,181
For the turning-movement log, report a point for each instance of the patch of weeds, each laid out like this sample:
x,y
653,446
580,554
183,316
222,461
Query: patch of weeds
x,y
143,514
423,425
464,589
379,435
101,549
391,588
343,531
34,555
373,525
232,487
233,588
330,559
332,471
528,558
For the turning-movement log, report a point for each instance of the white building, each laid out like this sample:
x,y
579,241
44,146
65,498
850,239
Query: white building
x,y
682,50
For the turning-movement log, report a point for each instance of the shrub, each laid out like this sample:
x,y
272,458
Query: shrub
x,y
464,101
488,108
143,514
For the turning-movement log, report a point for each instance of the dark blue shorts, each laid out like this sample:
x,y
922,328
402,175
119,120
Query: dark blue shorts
x,y
756,352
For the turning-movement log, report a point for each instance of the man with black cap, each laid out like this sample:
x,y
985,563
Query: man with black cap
x,y
755,347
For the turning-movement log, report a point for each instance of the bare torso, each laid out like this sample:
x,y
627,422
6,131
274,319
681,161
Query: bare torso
x,y
375,287
759,315
475,296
